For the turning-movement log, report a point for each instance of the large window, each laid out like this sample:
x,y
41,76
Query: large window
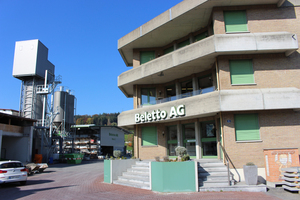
x,y
169,50
241,72
246,127
186,89
183,44
189,138
148,96
171,92
206,84
235,21
172,140
146,56
149,136
200,36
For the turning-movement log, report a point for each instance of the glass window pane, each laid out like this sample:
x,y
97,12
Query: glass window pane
x,y
209,148
187,87
200,36
146,56
183,44
169,50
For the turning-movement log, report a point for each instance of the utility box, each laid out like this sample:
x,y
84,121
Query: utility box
x,y
276,160
31,60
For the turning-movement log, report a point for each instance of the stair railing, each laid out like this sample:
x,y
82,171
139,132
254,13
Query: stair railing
x,y
227,164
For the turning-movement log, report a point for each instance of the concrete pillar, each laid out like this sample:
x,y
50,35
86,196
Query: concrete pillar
x,y
136,141
198,140
0,141
179,135
178,90
195,86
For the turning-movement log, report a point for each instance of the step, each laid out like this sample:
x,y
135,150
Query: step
x,y
138,170
204,174
140,167
138,180
130,184
213,178
215,169
211,165
134,174
143,163
213,184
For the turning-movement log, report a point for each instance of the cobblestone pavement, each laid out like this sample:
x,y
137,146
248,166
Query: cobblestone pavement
x,y
85,181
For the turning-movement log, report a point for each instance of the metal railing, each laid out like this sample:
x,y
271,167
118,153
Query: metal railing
x,y
180,96
227,164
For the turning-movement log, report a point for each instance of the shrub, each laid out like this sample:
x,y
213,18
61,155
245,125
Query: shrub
x,y
185,157
166,158
180,151
156,158
117,153
250,164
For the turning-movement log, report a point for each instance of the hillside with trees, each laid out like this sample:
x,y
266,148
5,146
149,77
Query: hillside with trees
x,y
104,119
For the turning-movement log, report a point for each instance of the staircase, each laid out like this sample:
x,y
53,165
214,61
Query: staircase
x,y
212,173
136,176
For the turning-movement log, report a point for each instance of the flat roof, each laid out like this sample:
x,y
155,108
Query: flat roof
x,y
186,17
94,126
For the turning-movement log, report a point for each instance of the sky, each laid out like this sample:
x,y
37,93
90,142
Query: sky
x,y
82,38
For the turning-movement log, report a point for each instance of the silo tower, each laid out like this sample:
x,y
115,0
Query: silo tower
x,y
32,67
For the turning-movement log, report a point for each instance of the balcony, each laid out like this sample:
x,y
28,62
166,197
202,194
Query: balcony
x,y
177,97
200,56
211,103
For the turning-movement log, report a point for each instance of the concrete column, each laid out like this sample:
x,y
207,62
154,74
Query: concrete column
x,y
136,142
198,140
178,90
179,135
195,85
30,142
0,141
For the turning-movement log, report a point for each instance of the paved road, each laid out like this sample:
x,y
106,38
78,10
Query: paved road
x,y
85,181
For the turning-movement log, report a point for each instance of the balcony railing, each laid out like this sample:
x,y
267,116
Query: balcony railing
x,y
181,96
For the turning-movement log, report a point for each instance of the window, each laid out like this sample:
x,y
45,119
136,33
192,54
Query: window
x,y
246,127
206,84
172,140
241,72
148,96
169,50
183,44
200,36
171,92
187,89
146,56
149,136
235,21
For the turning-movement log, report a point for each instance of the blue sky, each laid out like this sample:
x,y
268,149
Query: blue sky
x,y
81,36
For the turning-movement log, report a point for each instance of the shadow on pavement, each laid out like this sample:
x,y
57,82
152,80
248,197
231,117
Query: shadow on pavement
x,y
16,192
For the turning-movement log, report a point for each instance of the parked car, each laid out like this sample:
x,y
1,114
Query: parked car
x,y
12,171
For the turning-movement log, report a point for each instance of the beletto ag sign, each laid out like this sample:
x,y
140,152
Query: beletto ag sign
x,y
157,115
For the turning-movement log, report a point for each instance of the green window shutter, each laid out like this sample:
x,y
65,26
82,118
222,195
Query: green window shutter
x,y
149,136
235,21
241,72
201,36
183,44
169,50
146,56
246,127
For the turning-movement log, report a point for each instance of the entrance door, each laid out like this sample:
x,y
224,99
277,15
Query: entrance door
x,y
209,140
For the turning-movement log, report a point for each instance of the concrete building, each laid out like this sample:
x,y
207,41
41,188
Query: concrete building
x,y
16,137
210,72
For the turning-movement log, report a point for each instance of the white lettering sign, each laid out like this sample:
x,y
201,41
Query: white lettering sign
x,y
156,115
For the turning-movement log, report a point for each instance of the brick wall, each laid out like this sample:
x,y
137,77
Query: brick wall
x,y
278,129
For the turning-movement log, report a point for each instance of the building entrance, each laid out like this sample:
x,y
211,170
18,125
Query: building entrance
x,y
209,140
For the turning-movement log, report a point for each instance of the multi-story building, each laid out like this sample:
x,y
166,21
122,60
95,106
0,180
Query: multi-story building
x,y
210,72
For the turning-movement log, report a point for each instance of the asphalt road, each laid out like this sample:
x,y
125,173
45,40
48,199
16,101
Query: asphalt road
x,y
85,181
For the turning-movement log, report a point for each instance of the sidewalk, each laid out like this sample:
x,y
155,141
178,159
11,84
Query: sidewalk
x,y
85,181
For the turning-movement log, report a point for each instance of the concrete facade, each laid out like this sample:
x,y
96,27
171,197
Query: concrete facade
x,y
271,43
